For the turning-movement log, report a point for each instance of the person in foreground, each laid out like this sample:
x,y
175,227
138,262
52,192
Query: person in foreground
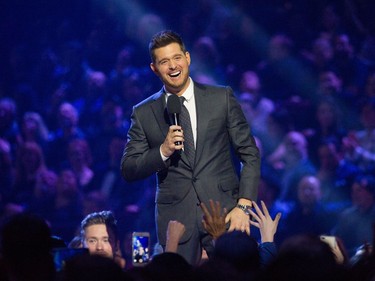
x,y
99,235
214,222
191,171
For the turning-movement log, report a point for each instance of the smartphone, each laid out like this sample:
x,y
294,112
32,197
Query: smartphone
x,y
140,248
61,255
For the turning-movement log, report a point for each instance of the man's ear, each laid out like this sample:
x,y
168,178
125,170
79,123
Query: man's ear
x,y
154,69
188,57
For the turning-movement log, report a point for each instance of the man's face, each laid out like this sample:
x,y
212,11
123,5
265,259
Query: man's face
x,y
171,65
99,241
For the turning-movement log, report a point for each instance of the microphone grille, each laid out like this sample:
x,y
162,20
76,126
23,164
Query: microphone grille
x,y
173,104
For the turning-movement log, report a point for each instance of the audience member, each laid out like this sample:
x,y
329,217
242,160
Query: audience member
x,y
29,166
355,225
68,129
359,145
291,161
92,267
207,61
99,234
308,215
33,129
277,72
64,212
79,162
279,123
89,103
335,174
305,257
6,172
26,246
9,128
255,106
328,126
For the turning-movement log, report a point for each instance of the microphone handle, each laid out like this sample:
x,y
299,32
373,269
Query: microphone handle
x,y
176,123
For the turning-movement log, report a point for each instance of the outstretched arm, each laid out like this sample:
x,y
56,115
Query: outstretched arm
x,y
175,231
214,221
267,226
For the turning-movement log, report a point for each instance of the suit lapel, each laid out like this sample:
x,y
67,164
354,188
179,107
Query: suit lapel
x,y
163,119
160,112
203,115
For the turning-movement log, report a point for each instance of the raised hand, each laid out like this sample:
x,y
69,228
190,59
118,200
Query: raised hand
x,y
267,226
214,221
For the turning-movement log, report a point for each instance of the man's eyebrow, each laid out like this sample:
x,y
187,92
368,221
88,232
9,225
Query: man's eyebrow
x,y
96,237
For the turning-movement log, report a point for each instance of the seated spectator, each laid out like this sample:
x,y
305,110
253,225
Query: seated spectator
x,y
9,128
327,127
6,173
355,224
291,162
64,212
30,166
255,106
359,145
80,163
308,215
335,174
33,129
99,234
67,130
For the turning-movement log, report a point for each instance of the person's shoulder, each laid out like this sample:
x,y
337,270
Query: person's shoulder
x,y
210,88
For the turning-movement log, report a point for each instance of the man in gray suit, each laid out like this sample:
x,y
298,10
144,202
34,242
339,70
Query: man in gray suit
x,y
156,145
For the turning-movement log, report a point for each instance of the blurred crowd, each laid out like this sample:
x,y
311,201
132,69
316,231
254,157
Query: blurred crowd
x,y
303,71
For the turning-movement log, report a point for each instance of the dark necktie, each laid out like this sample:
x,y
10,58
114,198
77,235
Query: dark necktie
x,y
185,122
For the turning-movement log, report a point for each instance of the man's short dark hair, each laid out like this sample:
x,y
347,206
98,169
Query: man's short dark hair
x,y
162,39
104,217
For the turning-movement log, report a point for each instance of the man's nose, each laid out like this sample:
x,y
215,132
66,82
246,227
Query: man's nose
x,y
172,64
99,245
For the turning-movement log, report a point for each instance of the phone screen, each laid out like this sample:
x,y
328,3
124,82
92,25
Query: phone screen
x,y
140,248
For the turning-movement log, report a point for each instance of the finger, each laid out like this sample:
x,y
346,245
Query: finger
x,y
205,211
257,209
225,212
213,208
254,215
204,224
277,219
227,218
218,208
264,208
255,224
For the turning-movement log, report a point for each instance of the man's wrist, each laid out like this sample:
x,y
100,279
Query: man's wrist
x,y
244,208
165,158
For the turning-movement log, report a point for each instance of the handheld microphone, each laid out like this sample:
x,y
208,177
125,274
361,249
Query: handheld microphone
x,y
174,108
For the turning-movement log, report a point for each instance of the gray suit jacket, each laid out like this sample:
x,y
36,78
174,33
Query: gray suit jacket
x,y
220,125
